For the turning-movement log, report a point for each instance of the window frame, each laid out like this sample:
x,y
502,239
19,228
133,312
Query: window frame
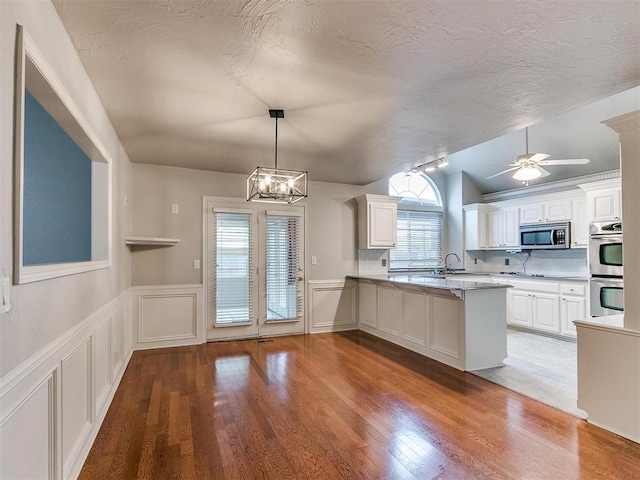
x,y
421,207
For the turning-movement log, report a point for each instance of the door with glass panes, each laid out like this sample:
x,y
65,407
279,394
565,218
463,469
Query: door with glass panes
x,y
255,260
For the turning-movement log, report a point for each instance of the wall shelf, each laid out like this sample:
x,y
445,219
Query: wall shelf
x,y
151,241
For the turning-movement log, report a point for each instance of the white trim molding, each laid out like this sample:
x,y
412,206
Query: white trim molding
x,y
333,305
551,186
49,416
168,315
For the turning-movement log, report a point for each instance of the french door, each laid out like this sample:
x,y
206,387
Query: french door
x,y
254,277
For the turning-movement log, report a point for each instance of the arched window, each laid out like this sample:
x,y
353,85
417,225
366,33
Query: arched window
x,y
415,189
419,228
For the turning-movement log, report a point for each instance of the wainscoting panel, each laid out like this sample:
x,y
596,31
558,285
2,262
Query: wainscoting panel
x,y
53,403
332,305
168,315
102,362
27,432
76,398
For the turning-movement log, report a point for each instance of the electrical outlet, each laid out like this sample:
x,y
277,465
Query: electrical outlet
x,y
384,262
506,262
475,261
196,264
175,208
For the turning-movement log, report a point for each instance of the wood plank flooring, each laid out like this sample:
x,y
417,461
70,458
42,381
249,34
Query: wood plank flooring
x,y
336,406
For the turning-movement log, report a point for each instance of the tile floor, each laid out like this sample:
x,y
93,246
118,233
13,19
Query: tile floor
x,y
541,368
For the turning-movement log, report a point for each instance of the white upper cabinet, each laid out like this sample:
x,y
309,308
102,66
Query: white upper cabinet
x,y
604,204
604,200
476,221
579,223
548,211
503,227
377,221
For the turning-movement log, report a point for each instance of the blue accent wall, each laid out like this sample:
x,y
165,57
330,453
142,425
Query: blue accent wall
x,y
57,192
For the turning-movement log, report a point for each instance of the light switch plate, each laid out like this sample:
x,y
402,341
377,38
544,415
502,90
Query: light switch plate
x,y
175,208
314,260
196,264
5,295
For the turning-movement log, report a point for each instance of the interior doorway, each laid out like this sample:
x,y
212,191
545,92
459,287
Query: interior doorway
x,y
254,272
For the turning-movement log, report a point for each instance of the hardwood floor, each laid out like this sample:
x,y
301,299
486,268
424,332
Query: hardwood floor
x,y
336,406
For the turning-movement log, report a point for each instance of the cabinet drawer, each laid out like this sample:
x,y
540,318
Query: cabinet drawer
x,y
569,289
536,285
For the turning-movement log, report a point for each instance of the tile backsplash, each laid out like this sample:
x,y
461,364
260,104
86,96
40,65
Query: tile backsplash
x,y
570,262
370,262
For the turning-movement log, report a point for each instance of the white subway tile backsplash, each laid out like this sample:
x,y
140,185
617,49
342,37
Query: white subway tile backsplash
x,y
571,262
370,262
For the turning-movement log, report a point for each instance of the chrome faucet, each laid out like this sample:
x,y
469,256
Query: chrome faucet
x,y
446,257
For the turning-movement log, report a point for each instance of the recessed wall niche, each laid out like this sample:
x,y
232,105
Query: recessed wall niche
x,y
62,177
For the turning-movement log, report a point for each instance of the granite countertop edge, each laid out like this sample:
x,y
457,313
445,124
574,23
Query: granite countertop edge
x,y
428,282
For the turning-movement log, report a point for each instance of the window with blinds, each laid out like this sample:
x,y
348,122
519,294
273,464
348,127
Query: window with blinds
x,y
419,239
233,268
283,296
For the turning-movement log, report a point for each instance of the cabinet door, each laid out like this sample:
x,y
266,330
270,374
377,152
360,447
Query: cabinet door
x,y
415,317
496,229
382,225
546,312
389,309
604,204
571,308
521,308
531,213
580,224
557,210
368,304
510,218
445,335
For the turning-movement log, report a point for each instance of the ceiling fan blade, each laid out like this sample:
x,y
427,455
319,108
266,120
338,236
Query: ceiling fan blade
x,y
542,171
503,172
566,161
537,157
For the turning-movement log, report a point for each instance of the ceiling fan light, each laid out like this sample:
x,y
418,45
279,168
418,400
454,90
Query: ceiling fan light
x,y
527,172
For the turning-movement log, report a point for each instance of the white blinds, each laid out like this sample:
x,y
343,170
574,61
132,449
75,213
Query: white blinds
x,y
283,296
233,268
419,242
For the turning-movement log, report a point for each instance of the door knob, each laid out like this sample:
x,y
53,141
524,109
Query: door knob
x,y
300,279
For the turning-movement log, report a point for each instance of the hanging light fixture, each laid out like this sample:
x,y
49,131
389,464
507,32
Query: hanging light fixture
x,y
276,185
527,172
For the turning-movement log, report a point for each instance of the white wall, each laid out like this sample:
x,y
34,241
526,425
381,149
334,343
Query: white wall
x,y
42,311
331,223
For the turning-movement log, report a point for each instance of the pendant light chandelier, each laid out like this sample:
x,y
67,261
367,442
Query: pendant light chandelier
x,y
276,185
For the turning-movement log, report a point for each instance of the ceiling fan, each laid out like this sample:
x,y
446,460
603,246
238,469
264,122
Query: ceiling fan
x,y
529,166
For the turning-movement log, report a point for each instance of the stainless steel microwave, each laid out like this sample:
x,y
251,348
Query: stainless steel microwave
x,y
545,236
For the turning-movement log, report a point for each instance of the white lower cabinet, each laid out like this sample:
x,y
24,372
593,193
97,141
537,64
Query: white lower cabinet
x,y
546,314
545,305
446,325
416,316
389,305
520,311
368,304
571,308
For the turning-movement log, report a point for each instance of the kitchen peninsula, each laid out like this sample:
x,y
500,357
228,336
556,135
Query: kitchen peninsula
x,y
459,323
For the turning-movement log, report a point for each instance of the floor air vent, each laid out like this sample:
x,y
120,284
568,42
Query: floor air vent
x,y
266,340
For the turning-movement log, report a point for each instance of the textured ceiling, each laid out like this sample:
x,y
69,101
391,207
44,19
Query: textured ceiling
x,y
368,87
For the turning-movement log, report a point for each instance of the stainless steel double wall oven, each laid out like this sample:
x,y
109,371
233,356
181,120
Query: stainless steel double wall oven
x,y
605,264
